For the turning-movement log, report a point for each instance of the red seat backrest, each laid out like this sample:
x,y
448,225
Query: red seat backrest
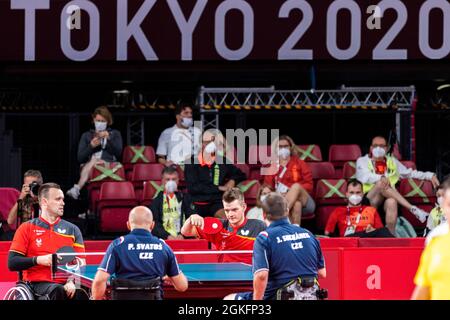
x,y
109,165
315,153
147,171
117,191
149,190
257,153
425,196
321,170
8,197
325,195
128,154
344,152
244,168
349,171
409,164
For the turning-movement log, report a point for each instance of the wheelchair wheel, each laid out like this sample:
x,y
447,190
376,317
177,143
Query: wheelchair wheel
x,y
21,291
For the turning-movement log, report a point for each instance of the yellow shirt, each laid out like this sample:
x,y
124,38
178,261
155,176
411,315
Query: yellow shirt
x,y
434,268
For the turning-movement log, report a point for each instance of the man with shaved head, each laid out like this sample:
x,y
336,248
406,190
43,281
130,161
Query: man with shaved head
x,y
138,259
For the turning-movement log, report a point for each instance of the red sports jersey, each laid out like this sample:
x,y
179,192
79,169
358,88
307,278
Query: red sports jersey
x,y
342,216
38,237
240,238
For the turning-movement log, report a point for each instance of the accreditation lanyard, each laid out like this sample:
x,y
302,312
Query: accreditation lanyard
x,y
280,175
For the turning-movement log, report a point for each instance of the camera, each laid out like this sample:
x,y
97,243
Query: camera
x,y
34,188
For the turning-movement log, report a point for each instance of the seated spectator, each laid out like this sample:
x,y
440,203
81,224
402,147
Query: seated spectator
x,y
98,145
437,215
170,208
257,212
208,176
27,207
356,220
181,141
238,232
292,178
380,172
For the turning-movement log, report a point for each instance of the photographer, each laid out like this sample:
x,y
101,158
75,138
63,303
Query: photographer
x,y
26,207
101,144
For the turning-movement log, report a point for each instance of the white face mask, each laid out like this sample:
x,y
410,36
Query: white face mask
x,y
440,201
284,153
263,197
187,122
171,186
100,125
210,147
355,199
378,152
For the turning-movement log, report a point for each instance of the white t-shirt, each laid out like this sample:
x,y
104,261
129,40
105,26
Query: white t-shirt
x,y
176,143
255,213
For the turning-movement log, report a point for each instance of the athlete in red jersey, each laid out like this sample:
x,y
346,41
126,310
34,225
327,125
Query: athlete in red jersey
x,y
36,240
238,232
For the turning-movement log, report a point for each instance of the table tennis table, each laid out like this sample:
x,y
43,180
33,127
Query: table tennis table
x,y
206,280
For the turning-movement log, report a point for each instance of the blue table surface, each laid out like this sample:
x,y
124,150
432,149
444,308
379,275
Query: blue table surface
x,y
193,271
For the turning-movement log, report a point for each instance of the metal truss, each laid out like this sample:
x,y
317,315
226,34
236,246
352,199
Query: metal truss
x,y
135,131
400,98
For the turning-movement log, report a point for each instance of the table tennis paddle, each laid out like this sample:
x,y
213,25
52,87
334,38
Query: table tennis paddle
x,y
212,225
67,257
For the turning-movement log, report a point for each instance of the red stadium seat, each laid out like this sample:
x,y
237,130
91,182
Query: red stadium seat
x,y
145,172
310,152
244,168
106,172
114,204
339,154
349,170
409,164
8,197
396,152
150,191
137,154
321,170
330,193
419,193
250,190
256,154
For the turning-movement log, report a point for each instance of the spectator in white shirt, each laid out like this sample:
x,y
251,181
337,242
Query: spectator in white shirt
x,y
380,172
180,142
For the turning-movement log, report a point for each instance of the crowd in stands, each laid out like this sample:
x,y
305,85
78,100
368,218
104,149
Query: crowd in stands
x,y
349,195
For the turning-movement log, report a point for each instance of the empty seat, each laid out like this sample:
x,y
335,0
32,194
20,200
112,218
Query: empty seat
x,y
349,170
100,173
310,152
419,193
150,191
258,156
114,205
322,170
8,197
339,154
145,172
329,194
244,168
137,154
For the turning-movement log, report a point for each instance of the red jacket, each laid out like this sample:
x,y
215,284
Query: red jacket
x,y
297,171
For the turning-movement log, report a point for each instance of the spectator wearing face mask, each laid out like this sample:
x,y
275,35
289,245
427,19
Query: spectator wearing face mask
x,y
257,212
98,145
208,176
179,142
170,208
437,215
291,176
380,172
356,220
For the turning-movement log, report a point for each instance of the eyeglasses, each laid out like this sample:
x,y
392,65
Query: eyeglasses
x,y
284,146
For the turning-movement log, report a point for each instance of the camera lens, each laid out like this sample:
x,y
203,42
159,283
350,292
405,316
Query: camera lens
x,y
34,188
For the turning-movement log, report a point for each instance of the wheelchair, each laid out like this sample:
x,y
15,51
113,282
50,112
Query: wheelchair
x,y
129,289
21,291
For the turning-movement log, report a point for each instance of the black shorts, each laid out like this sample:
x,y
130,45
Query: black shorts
x,y
208,209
